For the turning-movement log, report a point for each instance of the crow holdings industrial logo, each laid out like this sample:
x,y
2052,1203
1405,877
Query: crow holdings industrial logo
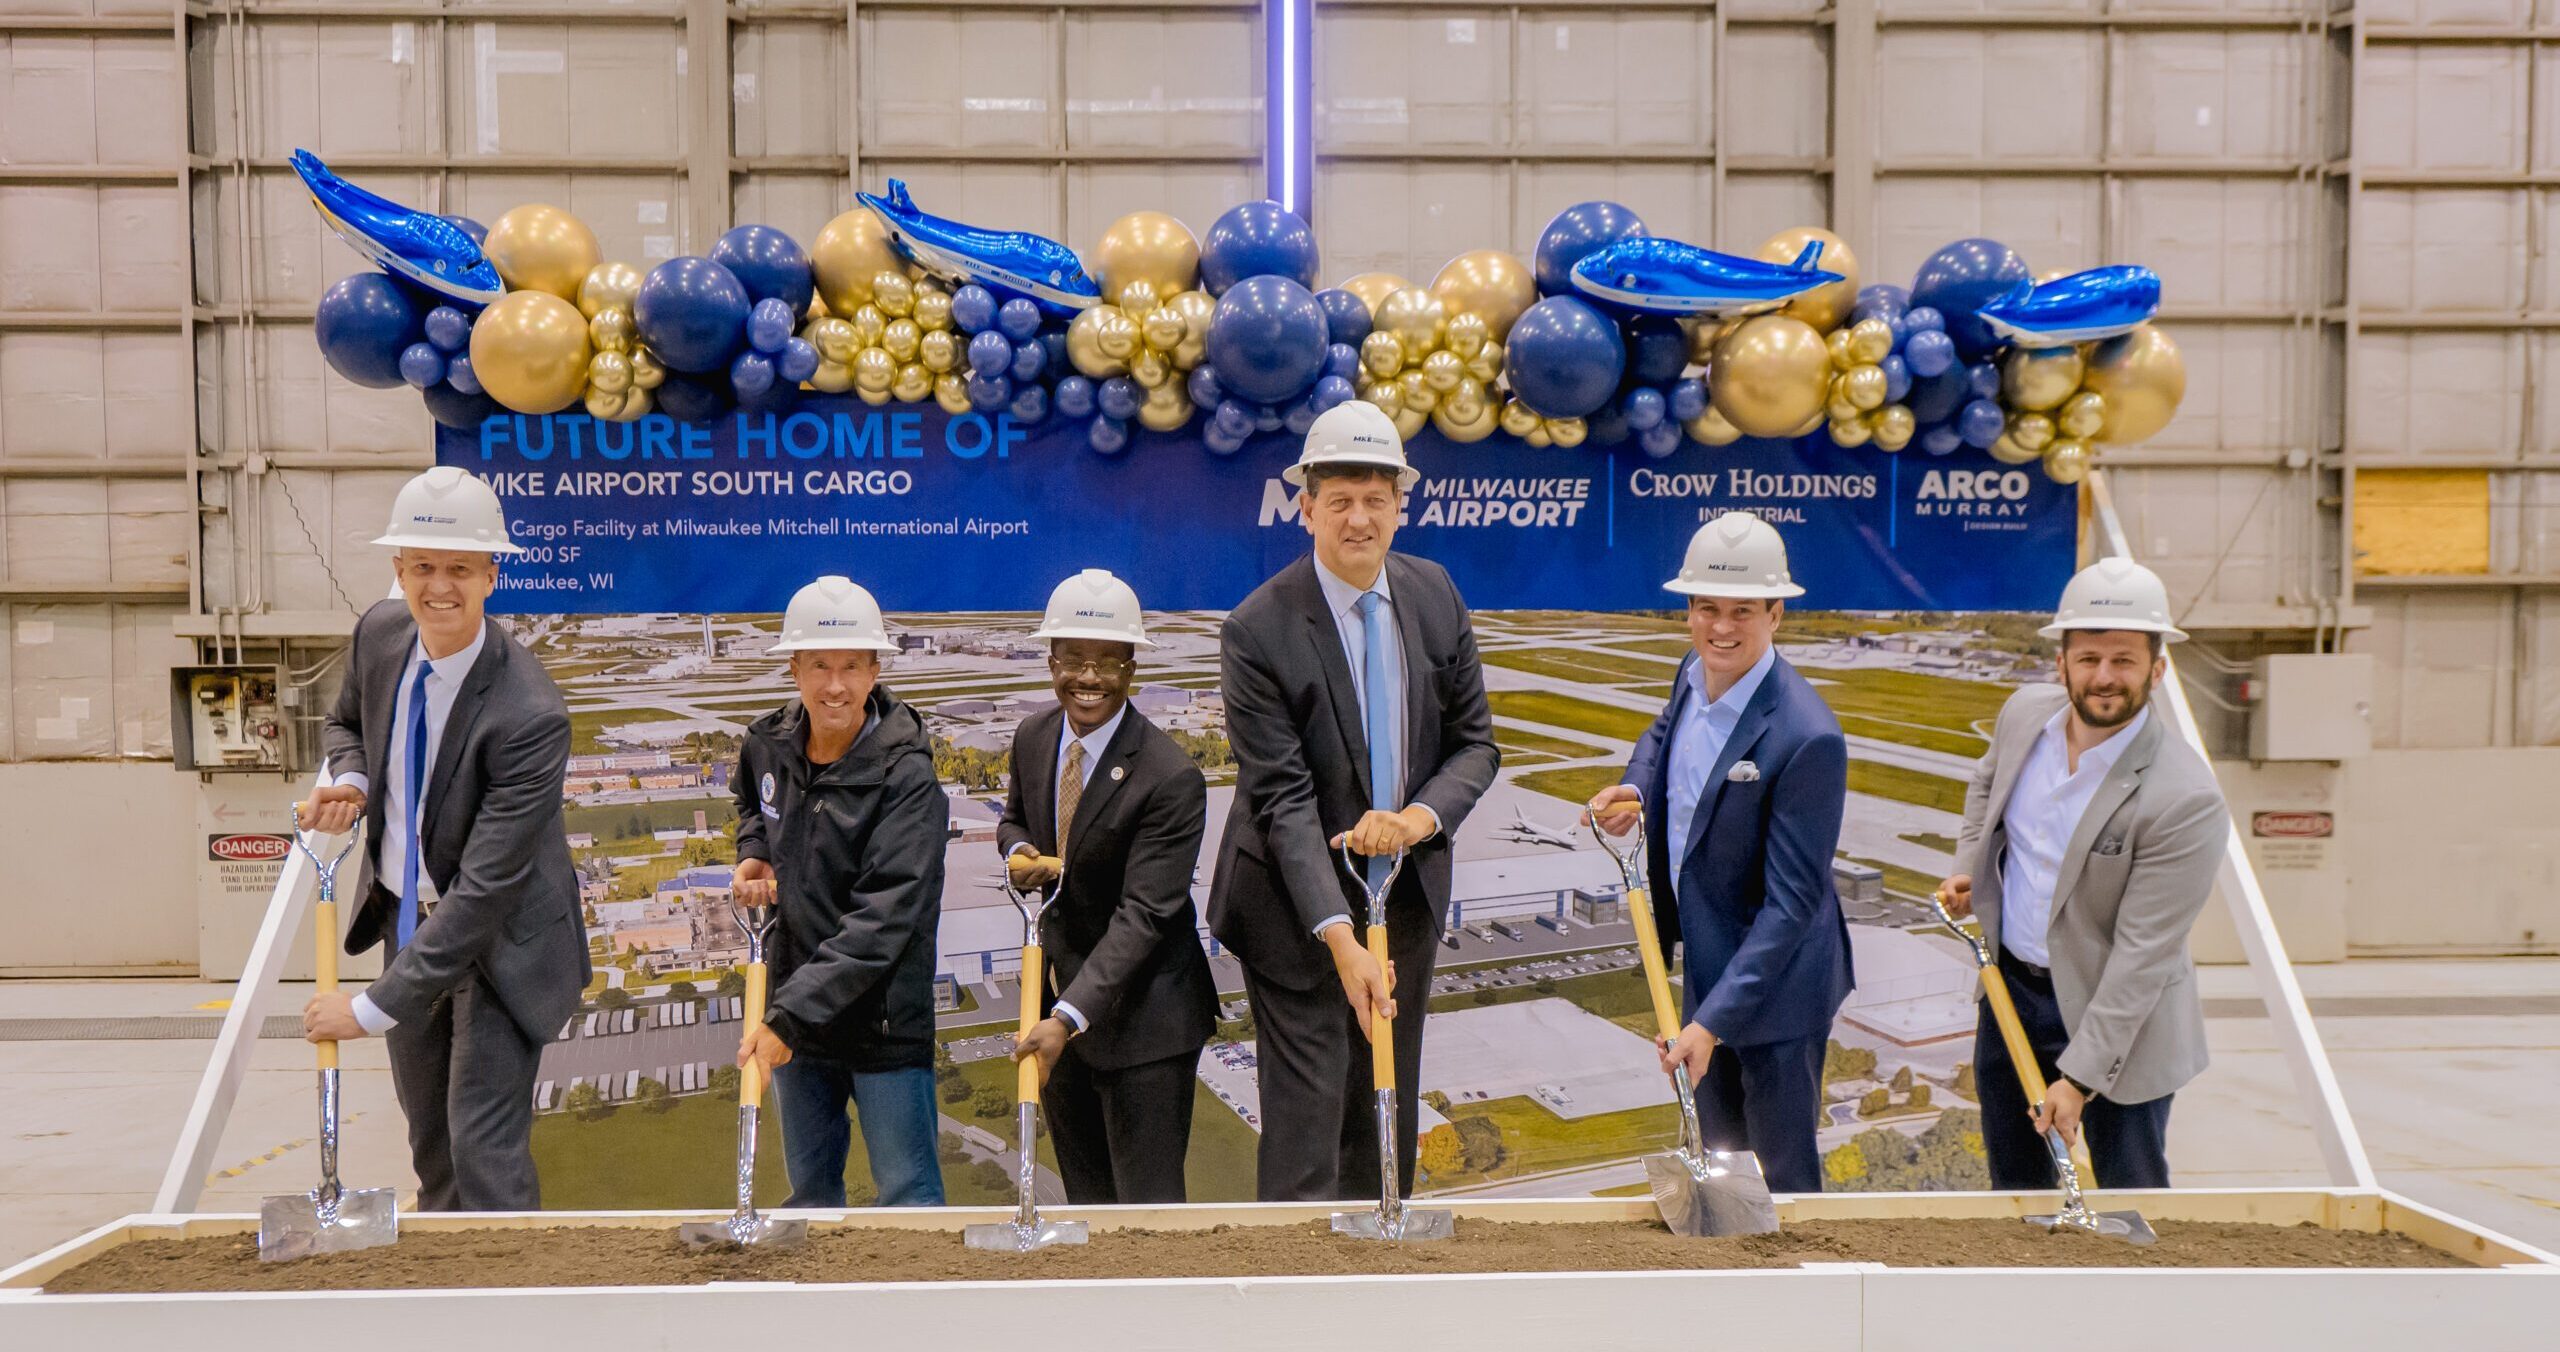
x,y
1532,503
1773,496
247,847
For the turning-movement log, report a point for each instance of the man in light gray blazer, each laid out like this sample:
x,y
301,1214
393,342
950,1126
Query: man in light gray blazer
x,y
2092,835
448,740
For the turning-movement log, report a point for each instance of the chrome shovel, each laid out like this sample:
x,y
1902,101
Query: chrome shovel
x,y
1027,1232
1392,1220
746,1229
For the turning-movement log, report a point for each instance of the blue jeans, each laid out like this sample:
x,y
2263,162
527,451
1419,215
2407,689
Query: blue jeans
x,y
899,1126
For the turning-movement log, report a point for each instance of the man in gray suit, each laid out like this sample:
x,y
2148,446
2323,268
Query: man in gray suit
x,y
468,881
2092,833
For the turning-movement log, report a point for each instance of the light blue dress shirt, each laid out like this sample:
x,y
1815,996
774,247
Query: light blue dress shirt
x,y
1705,726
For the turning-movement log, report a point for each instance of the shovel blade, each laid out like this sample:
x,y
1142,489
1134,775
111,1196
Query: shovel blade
x,y
742,1232
300,1226
1007,1237
1723,1194
2128,1226
1408,1225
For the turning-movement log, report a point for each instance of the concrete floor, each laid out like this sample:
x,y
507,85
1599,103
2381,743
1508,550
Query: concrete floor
x,y
2447,1066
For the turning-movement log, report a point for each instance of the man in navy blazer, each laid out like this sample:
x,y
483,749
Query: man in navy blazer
x,y
1741,783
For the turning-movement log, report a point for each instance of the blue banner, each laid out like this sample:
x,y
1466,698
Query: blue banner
x,y
934,512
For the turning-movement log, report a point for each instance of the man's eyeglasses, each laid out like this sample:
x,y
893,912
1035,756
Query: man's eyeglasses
x,y
1109,668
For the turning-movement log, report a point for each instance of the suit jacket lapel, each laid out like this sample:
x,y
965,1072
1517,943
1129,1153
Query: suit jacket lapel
x,y
1109,769
466,711
2010,762
1417,668
1326,637
2119,785
377,731
1746,733
1039,772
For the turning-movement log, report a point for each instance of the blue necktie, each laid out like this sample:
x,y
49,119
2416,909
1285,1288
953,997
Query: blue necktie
x,y
1379,687
417,803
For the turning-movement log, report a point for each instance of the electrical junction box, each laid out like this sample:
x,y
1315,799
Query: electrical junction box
x,y
227,718
2312,707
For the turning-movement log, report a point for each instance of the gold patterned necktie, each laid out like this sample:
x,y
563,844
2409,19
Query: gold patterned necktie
x,y
1070,792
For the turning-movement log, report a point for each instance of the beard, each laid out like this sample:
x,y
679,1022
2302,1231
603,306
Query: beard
x,y
2124,701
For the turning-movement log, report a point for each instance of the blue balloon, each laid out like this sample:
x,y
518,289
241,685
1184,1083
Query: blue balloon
x,y
1608,426
461,410
1257,239
694,398
1300,417
1110,436
1688,399
1959,280
693,313
458,373
1030,359
422,365
2085,307
769,264
751,374
1657,350
798,362
973,308
989,353
1235,417
1331,393
479,233
448,328
1030,404
1219,441
1266,418
1576,232
1930,353
1924,319
989,393
1660,440
1940,440
774,398
1564,358
1983,379
1935,399
1074,397
1054,345
363,325
1346,316
1267,339
769,326
1645,408
1206,392
1119,398
1980,423
1897,379
1342,359
1880,301
1018,319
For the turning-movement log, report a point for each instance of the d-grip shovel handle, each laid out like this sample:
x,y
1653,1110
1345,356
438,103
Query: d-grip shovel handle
x,y
324,918
1382,1040
1657,972
2004,1013
1026,1075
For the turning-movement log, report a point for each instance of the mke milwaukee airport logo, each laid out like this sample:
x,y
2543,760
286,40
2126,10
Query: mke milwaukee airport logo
x,y
1530,503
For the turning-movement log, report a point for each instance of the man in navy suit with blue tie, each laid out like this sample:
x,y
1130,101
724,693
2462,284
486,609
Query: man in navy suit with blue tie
x,y
1741,783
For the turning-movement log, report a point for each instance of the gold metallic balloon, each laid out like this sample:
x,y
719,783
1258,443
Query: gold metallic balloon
x,y
530,351
609,372
914,384
1770,376
951,390
1864,385
2032,432
1486,364
835,340
1468,403
868,324
605,404
1893,426
874,398
1386,394
1373,288
1851,433
1150,369
1836,345
1465,335
1824,307
1162,328
1147,247
1838,408
611,331
1167,408
874,369
608,286
2082,414
1100,341
1411,421
542,248
933,309
636,403
1808,427
853,249
902,339
647,371
939,351
2142,378
833,377
893,295
1711,428
1487,283
1416,318
2039,379
1701,331
817,307
1442,370
1381,355
2067,462
1519,419
1138,297
1465,430
1568,432
1196,309
2008,452
1870,341
1419,397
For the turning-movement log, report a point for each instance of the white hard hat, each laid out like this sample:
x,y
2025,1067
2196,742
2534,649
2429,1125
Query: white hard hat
x,y
2115,593
1353,432
1094,604
448,508
833,614
1737,556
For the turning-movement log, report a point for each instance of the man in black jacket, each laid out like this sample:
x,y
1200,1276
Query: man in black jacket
x,y
841,822
1098,787
1356,706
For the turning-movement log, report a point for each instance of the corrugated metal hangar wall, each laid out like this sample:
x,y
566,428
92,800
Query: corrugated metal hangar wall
x,y
2351,209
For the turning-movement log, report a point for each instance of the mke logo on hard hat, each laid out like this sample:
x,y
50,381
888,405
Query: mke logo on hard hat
x,y
434,520
1094,615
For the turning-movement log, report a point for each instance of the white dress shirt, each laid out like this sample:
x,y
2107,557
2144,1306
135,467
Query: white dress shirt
x,y
1343,600
444,686
1705,726
1093,743
2044,810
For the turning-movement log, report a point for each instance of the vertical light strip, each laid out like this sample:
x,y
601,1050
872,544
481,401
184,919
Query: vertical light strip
x,y
1288,101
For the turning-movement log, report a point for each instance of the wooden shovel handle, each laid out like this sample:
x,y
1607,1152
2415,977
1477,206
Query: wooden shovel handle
x,y
1657,973
1026,1078
751,1076
2022,1054
1382,1029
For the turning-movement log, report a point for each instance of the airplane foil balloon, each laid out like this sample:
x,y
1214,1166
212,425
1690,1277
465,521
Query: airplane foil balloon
x,y
2084,307
1666,276
418,245
1006,262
